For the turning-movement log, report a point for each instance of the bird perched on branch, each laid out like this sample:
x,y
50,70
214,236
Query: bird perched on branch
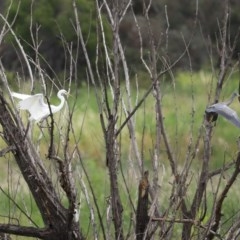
x,y
36,106
224,110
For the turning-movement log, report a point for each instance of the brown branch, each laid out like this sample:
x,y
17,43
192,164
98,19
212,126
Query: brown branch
x,y
201,187
149,90
217,214
221,170
233,231
18,207
51,147
24,231
134,110
224,58
196,223
142,218
111,141
6,150
177,220
30,164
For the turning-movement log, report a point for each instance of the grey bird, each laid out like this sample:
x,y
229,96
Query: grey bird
x,y
224,110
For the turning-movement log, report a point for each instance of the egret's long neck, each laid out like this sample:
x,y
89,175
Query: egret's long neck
x,y
59,107
62,102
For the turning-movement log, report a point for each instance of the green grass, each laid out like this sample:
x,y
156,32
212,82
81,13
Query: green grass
x,y
183,104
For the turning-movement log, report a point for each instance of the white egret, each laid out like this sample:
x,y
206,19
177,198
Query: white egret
x,y
36,106
224,110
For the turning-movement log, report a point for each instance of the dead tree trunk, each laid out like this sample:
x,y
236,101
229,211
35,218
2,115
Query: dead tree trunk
x,y
112,163
55,217
142,207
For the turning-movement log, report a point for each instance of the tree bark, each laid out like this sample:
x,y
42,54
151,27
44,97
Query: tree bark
x,y
142,217
112,156
55,216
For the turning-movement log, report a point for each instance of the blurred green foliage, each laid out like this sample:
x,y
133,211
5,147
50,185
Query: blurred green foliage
x,y
183,116
177,24
174,25
56,25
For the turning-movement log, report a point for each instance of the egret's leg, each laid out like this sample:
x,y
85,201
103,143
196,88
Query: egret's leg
x,y
51,149
27,129
41,135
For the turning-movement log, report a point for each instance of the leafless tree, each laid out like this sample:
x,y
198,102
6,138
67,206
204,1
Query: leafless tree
x,y
55,184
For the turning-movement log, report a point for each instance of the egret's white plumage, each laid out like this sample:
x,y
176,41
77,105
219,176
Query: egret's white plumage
x,y
224,110
36,106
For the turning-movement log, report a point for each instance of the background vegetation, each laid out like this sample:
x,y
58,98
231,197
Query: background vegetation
x,y
52,25
175,49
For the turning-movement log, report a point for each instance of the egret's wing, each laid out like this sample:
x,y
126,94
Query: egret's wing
x,y
226,112
36,106
20,95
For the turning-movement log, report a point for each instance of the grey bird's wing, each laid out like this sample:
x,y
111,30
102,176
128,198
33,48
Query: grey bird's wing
x,y
226,112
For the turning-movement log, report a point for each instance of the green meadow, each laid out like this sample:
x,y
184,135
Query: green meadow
x,y
184,100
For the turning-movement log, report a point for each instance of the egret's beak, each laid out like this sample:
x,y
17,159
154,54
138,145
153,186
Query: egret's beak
x,y
69,95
